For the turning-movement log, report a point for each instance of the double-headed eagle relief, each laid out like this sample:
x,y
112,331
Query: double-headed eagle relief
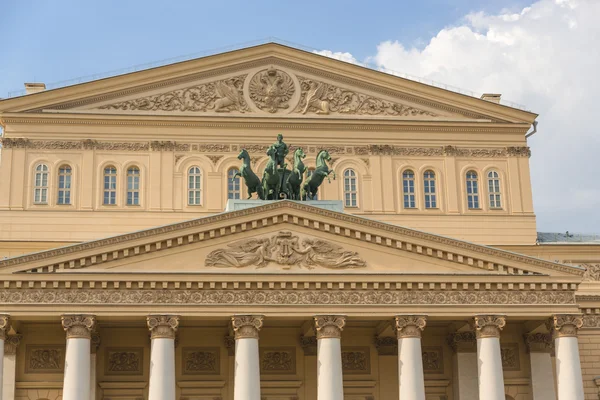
x,y
280,182
271,90
284,249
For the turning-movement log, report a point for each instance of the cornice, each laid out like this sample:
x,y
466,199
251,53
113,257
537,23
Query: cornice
x,y
350,226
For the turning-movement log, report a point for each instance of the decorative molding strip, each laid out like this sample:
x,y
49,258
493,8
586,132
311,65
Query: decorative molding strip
x,y
312,222
290,296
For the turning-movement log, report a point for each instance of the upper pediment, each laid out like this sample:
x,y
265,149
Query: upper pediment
x,y
286,237
266,81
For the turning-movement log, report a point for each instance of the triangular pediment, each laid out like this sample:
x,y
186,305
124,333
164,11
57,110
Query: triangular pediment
x,y
266,81
279,237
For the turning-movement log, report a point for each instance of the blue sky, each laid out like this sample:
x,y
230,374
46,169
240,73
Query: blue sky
x,y
540,53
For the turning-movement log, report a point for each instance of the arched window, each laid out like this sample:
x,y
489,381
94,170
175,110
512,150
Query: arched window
x,y
494,189
408,188
472,190
233,184
194,185
40,189
430,189
110,186
309,173
133,186
350,188
64,185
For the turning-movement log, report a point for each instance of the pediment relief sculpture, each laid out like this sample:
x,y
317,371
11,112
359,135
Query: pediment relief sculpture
x,y
221,96
271,90
286,250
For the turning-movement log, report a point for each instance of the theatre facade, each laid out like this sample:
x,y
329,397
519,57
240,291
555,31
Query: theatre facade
x,y
134,267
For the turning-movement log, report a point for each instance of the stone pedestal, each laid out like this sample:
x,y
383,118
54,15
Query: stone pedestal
x,y
330,384
564,328
79,329
162,356
489,359
247,366
410,360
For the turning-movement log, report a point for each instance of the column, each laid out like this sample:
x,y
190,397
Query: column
x,y
464,345
410,357
489,360
564,329
539,347
95,344
79,329
162,356
10,366
247,368
330,384
4,327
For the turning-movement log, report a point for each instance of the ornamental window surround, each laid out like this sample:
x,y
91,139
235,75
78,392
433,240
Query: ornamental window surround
x,y
133,186
109,197
350,188
494,193
472,181
233,184
194,186
408,189
40,187
430,189
63,194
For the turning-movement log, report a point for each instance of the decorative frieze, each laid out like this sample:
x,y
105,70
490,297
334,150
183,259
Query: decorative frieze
x,y
329,326
409,326
124,361
4,325
11,342
78,325
246,326
163,326
565,325
488,326
44,359
538,342
433,359
200,361
280,360
509,353
356,360
592,272
463,341
309,345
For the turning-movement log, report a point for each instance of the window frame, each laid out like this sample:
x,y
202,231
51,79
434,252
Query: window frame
x,y
197,176
472,184
113,181
412,193
354,201
43,170
428,182
496,193
67,191
134,190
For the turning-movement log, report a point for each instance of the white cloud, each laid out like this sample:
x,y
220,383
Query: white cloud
x,y
545,57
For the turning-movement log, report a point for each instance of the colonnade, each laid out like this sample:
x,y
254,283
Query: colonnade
x,y
328,329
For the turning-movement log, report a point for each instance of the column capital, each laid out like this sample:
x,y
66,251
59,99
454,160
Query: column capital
x,y
163,326
410,325
329,326
488,326
564,325
309,345
4,325
11,343
538,342
463,342
246,326
78,326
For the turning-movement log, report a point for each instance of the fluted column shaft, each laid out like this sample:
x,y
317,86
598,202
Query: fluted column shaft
x,y
489,359
564,328
162,356
4,326
410,359
79,329
246,384
330,384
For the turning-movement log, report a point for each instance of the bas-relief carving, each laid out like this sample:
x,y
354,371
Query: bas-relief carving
x,y
124,361
510,356
324,98
271,90
278,297
200,360
277,360
284,249
356,360
44,359
592,272
433,359
220,96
